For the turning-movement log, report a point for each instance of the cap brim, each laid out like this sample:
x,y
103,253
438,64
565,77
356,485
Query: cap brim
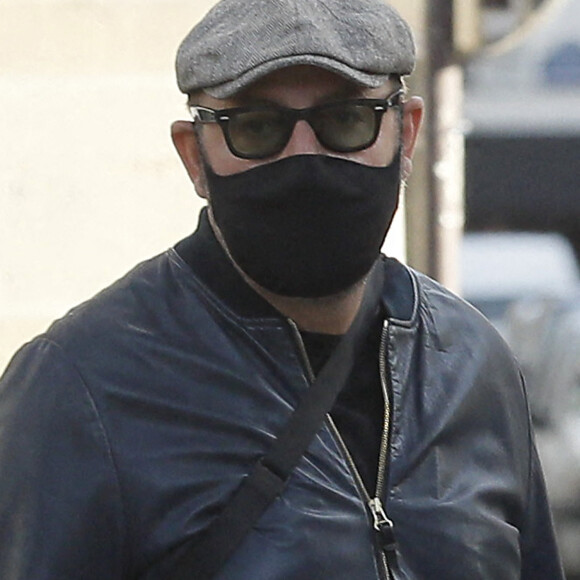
x,y
361,78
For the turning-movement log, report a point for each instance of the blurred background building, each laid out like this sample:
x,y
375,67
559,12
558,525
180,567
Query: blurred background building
x,y
522,218
522,104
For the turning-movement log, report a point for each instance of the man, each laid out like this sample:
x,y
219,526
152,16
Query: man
x,y
127,428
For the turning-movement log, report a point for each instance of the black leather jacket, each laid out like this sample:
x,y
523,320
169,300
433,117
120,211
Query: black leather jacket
x,y
126,427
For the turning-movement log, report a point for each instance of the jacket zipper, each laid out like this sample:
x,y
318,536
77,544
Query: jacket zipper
x,y
382,525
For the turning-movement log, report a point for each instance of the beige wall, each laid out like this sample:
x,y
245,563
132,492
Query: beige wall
x,y
89,181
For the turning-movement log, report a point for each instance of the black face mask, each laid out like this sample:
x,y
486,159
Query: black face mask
x,y
307,225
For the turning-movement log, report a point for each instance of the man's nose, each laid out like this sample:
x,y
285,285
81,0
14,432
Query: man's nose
x,y
303,141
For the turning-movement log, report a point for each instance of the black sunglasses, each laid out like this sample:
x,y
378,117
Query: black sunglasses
x,y
264,130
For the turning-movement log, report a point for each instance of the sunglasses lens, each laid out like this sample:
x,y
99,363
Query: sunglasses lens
x,y
346,126
259,133
263,132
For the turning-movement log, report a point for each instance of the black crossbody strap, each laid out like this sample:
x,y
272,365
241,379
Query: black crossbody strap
x,y
202,559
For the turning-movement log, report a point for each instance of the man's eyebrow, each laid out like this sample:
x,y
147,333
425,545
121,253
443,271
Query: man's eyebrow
x,y
247,99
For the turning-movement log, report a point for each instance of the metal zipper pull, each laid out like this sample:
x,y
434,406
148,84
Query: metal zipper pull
x,y
383,525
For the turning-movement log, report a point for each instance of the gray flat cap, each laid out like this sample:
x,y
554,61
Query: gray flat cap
x,y
239,41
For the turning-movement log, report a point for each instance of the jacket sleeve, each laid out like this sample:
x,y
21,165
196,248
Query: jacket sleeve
x,y
540,558
60,502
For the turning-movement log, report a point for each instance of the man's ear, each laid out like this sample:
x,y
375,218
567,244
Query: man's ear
x,y
412,119
185,140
